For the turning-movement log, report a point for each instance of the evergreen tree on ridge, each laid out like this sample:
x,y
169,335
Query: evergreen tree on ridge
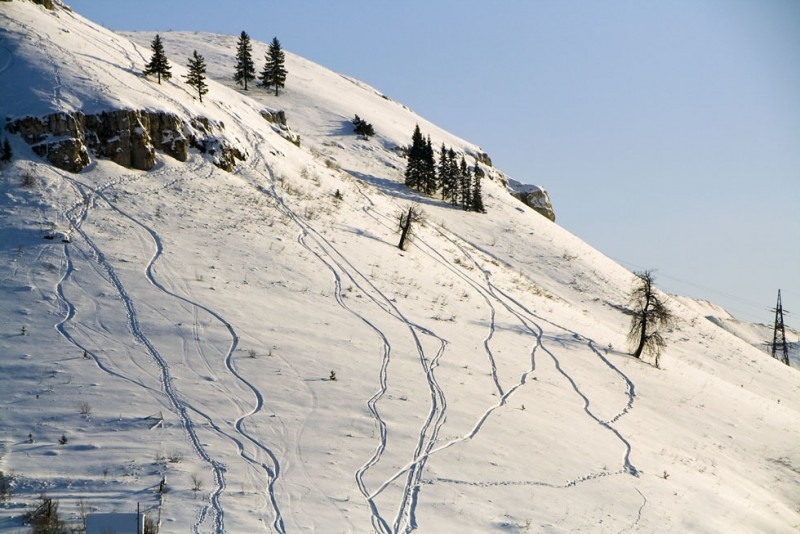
x,y
197,74
274,73
245,68
159,65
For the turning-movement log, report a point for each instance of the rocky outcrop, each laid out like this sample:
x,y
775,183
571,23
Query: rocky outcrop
x,y
277,117
46,3
127,137
57,138
130,138
222,154
484,158
532,196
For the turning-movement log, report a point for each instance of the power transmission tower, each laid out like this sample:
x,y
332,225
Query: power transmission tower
x,y
780,350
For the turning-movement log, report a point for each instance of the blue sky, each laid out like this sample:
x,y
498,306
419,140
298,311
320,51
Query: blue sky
x,y
667,133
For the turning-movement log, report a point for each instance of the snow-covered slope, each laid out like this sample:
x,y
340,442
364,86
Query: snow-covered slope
x,y
191,330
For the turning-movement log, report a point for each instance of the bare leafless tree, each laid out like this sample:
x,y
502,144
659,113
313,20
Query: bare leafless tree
x,y
649,316
405,219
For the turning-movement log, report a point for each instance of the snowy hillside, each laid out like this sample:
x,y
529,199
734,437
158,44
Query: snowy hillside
x,y
259,344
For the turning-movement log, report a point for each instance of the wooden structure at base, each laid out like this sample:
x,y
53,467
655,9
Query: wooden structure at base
x,y
116,523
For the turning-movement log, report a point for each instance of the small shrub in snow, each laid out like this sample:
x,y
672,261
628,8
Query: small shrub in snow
x,y
197,483
63,439
150,525
332,377
86,409
44,518
5,486
29,180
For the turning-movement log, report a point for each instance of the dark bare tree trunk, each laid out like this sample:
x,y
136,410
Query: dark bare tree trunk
x,y
405,226
643,334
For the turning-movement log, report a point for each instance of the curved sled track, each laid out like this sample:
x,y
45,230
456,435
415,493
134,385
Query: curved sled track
x,y
378,522
272,471
166,379
529,321
428,433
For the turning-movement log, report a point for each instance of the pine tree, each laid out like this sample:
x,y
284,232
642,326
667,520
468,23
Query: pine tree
x,y
6,154
274,73
416,154
428,184
465,185
443,172
362,127
448,175
452,177
159,65
477,194
245,68
197,74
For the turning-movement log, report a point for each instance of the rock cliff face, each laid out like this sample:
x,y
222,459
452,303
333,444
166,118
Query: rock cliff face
x,y
127,137
532,196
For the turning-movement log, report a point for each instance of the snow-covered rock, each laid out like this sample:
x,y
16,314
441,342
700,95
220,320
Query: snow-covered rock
x,y
532,196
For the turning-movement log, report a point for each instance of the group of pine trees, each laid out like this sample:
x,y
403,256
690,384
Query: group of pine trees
x,y
273,74
159,66
459,184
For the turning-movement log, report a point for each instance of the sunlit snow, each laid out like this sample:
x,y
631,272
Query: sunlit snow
x,y
191,330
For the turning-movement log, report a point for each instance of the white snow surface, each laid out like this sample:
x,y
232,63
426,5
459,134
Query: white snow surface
x,y
190,330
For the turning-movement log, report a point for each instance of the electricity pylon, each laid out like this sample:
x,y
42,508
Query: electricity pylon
x,y
780,350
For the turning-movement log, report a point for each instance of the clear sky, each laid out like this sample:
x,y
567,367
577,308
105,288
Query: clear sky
x,y
667,133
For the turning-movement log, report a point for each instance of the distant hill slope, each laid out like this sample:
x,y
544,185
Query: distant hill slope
x,y
249,351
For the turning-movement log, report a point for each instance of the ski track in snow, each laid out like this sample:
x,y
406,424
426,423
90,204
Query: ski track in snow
x,y
272,471
630,390
529,321
378,522
68,309
340,267
522,312
428,433
180,407
326,256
